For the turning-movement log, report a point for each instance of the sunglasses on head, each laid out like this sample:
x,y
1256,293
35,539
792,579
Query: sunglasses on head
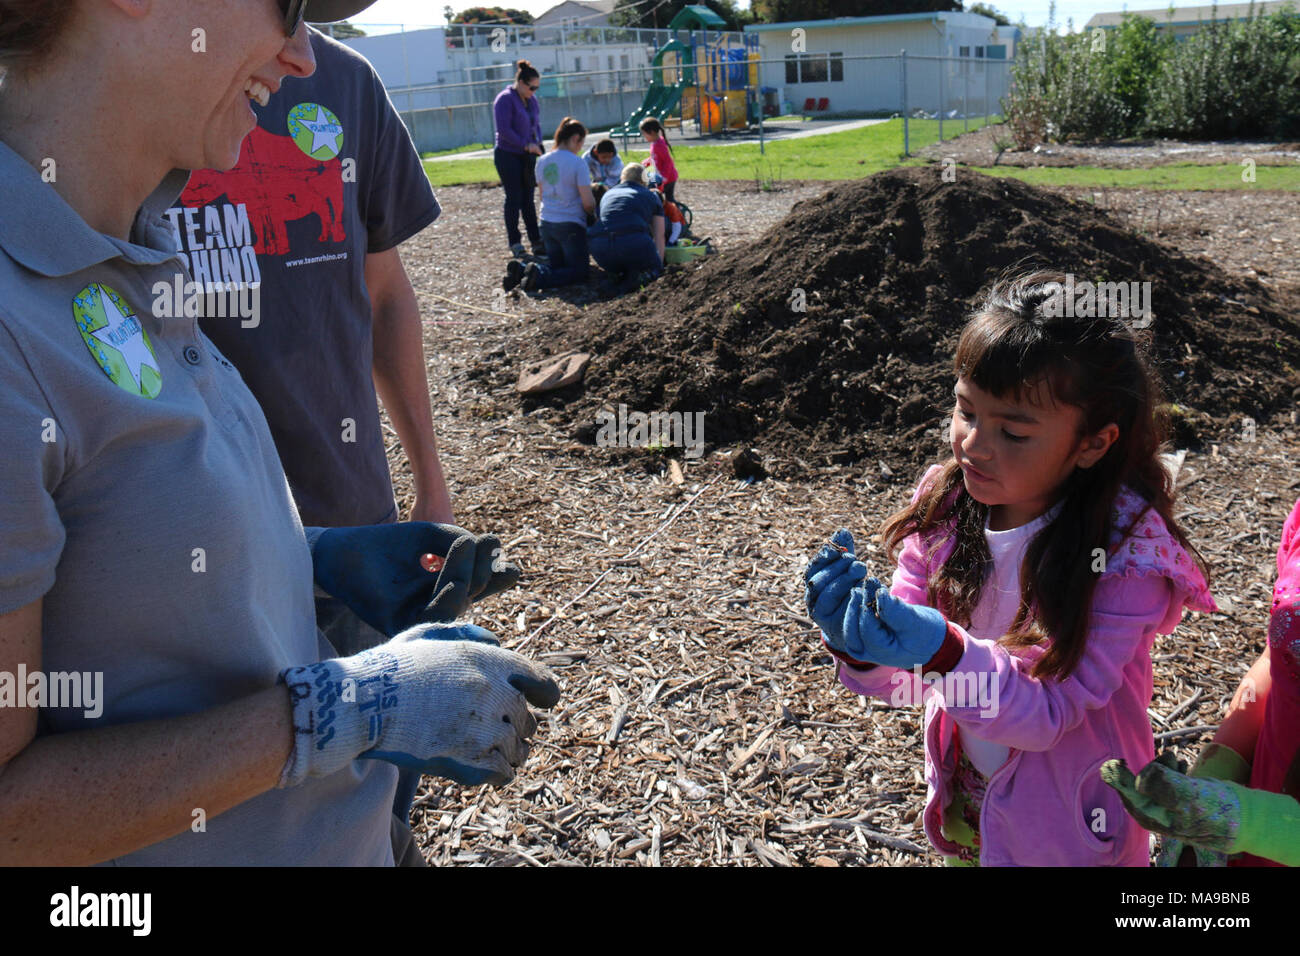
x,y
294,11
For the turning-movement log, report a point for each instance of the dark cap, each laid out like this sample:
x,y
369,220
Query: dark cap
x,y
331,11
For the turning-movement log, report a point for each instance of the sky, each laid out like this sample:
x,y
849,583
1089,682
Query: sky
x,y
415,13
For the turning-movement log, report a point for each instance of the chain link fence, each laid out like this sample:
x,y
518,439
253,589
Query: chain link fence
x,y
936,97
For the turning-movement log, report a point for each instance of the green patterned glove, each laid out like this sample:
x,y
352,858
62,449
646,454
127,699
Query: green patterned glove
x,y
1221,763
1214,814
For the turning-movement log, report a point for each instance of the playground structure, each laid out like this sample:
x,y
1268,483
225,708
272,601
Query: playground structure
x,y
710,82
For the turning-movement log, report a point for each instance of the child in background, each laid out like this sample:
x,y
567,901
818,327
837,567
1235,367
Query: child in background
x,y
604,164
1243,794
674,219
1038,564
661,155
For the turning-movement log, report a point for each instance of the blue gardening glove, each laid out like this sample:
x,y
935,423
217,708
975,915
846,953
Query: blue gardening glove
x,y
452,708
840,546
376,571
829,578
877,628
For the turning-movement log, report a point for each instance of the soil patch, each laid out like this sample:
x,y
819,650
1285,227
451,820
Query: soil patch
x,y
980,148
887,268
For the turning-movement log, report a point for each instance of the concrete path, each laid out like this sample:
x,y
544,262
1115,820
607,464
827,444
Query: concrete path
x,y
784,129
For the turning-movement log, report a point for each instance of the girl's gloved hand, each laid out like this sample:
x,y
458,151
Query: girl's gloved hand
x,y
880,629
829,578
1214,814
376,571
450,705
1200,811
1221,763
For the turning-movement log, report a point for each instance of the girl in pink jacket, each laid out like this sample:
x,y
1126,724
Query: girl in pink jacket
x,y
1037,566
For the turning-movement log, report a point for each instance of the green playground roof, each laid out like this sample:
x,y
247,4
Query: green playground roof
x,y
696,15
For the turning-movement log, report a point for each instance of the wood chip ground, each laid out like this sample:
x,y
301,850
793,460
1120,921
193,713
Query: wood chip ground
x,y
700,723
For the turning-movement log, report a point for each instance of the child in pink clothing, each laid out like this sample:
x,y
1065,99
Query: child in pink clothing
x,y
1037,566
1240,805
661,154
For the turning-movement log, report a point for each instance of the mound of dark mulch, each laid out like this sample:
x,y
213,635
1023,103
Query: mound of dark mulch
x,y
889,268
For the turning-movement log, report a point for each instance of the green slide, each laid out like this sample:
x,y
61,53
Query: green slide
x,y
659,101
662,98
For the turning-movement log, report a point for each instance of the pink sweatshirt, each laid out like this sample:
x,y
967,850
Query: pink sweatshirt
x,y
1045,804
663,160
1278,747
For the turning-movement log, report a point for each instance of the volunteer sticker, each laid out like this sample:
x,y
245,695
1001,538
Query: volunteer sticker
x,y
117,340
316,130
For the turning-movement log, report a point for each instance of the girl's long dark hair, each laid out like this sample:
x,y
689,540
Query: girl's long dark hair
x,y
1013,344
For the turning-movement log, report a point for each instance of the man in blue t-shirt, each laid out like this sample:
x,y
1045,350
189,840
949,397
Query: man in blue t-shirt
x,y
628,242
327,186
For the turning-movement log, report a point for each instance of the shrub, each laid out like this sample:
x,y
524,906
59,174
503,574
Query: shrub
x,y
1231,79
1240,78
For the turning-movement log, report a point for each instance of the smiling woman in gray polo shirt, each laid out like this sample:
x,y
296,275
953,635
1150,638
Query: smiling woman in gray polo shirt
x,y
147,537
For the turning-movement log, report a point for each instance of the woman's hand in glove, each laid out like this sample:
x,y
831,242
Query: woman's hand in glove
x,y
427,701
376,571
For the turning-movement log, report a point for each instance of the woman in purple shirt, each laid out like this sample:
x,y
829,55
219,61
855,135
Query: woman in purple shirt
x,y
518,144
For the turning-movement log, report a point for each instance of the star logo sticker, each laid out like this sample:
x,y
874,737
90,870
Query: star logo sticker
x,y
117,340
316,130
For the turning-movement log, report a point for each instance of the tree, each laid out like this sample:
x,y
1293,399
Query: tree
x,y
492,15
649,16
340,31
987,9
783,11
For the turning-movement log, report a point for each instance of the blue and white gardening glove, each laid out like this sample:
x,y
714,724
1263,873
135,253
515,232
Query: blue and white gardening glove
x,y
453,708
376,571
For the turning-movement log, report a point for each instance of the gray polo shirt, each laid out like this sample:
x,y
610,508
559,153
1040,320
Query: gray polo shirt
x,y
141,496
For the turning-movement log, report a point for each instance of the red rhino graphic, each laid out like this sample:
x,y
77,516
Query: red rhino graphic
x,y
279,183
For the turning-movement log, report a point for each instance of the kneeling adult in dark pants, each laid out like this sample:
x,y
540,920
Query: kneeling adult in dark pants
x,y
628,241
565,187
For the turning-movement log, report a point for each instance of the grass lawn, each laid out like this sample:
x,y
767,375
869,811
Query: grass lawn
x,y
870,149
472,147
1181,176
848,155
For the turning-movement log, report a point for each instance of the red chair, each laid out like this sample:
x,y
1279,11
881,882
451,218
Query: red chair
x,y
809,105
823,104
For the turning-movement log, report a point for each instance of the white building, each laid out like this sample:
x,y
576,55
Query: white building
x,y
430,68
1184,21
852,64
573,15
443,79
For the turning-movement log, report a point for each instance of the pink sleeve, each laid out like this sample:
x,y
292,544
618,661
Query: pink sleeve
x,y
1032,714
663,161
898,688
912,576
